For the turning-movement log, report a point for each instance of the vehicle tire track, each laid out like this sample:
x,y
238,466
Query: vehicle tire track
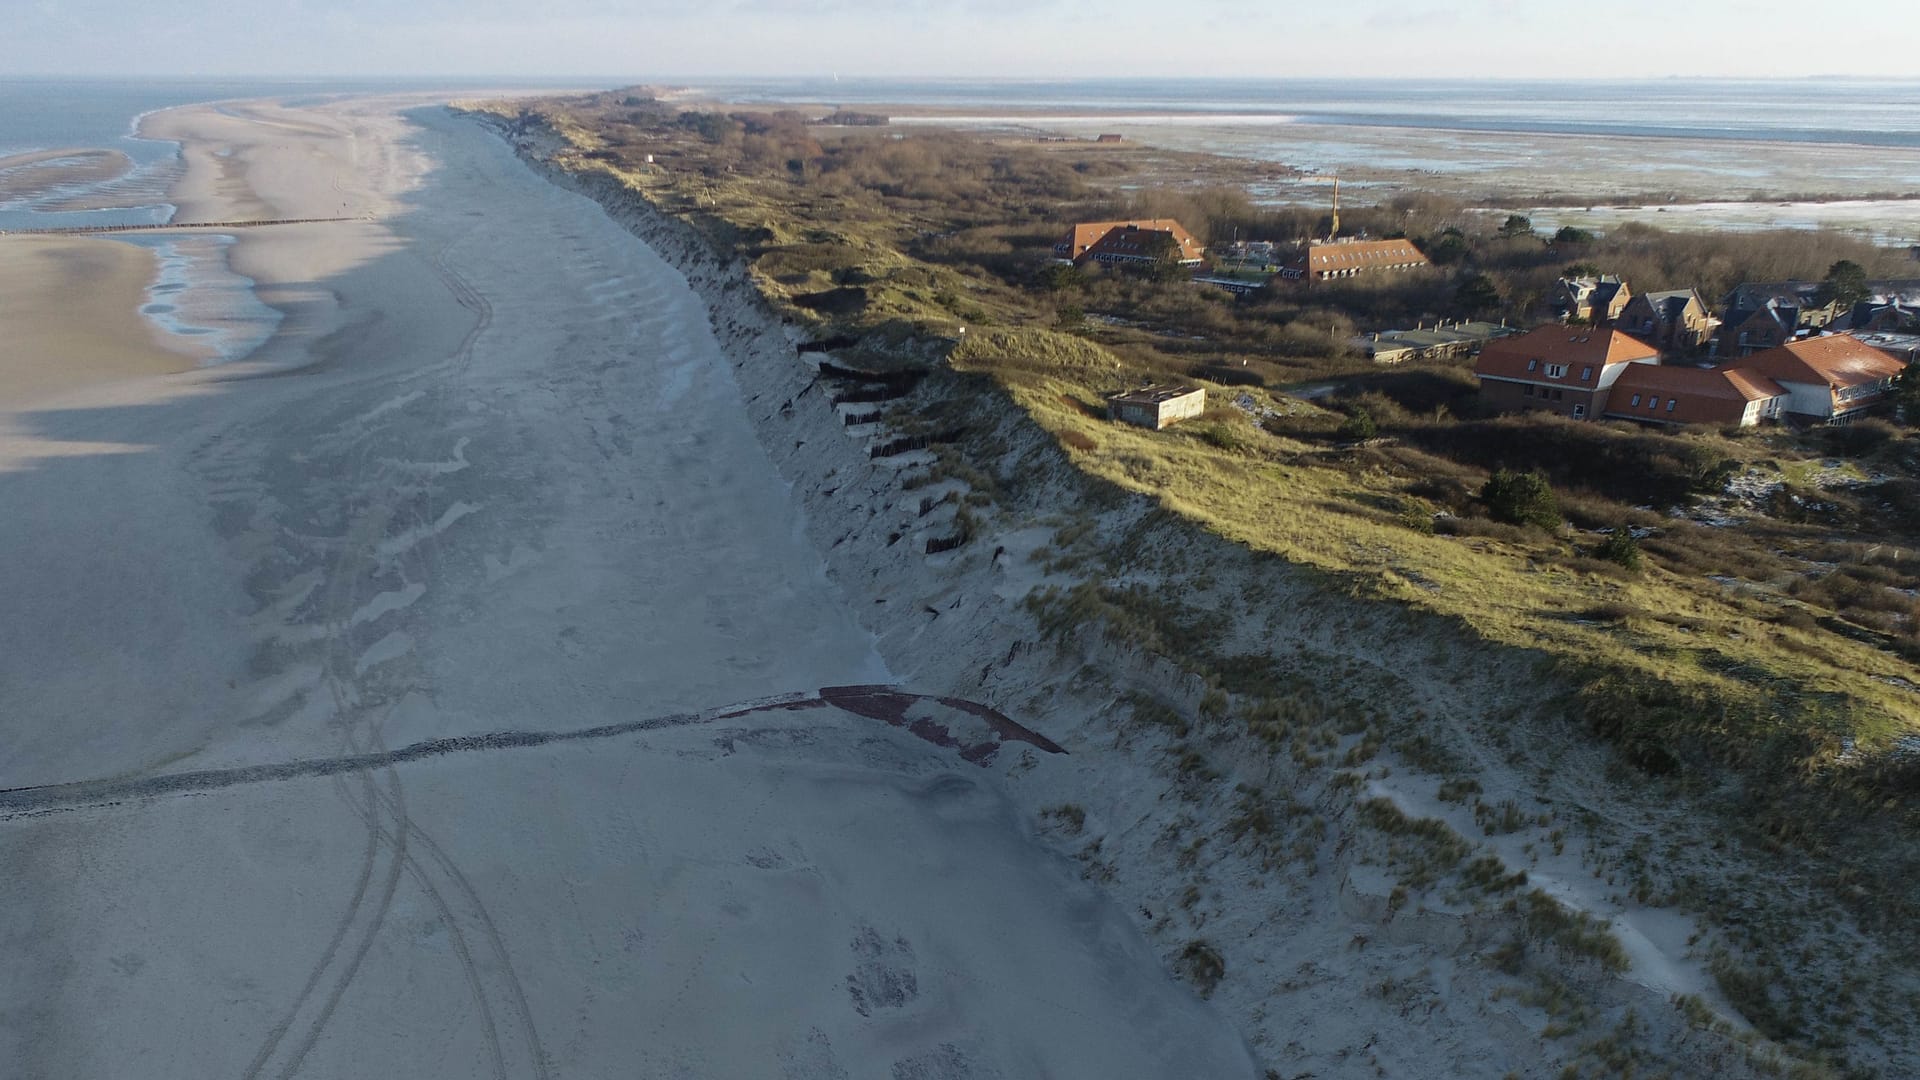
x,y
385,813
270,1045
462,358
279,1030
400,861
516,995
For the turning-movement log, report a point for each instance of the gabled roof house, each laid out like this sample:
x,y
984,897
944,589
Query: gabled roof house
x,y
1675,319
1829,379
1351,258
1567,370
1599,300
1680,395
1762,315
1126,242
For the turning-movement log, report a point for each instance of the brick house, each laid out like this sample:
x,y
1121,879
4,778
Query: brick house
x,y
1895,316
1597,300
1561,369
1830,379
1761,315
1674,320
1891,307
1674,396
1123,242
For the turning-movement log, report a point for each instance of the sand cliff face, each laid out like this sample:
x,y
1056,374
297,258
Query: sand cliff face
x,y
1222,845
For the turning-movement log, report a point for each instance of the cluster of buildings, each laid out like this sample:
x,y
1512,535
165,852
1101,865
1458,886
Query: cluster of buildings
x,y
1787,353
1754,317
1587,373
1120,242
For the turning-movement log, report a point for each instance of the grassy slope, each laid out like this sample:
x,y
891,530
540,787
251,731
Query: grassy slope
x,y
1693,671
1676,662
1698,637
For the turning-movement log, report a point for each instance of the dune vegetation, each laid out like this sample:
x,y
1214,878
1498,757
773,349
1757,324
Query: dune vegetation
x,y
1736,611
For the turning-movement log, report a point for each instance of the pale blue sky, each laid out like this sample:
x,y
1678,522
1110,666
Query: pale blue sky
x,y
987,38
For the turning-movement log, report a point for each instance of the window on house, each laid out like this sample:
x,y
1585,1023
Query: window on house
x,y
1636,401
1670,403
1653,402
1579,412
1533,365
1555,371
1529,391
1586,373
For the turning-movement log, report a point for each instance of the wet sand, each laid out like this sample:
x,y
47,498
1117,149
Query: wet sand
x,y
70,317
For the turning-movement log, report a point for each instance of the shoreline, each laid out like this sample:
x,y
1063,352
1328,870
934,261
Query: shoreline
x,y
216,303
1510,166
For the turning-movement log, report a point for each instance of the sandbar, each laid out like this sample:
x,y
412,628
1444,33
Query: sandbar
x,y
44,172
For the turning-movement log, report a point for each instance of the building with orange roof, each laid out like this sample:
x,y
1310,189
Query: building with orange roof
x,y
1723,397
1112,242
1562,369
1829,379
1349,258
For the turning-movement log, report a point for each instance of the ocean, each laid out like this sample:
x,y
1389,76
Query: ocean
x,y
1846,111
58,114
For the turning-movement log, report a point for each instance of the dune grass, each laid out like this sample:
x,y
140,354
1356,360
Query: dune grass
x,y
1676,667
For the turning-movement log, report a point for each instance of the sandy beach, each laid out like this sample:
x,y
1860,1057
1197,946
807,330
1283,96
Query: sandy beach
x,y
492,473
70,314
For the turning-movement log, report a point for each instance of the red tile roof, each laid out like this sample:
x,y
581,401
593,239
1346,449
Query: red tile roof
x,y
1082,237
1361,255
1837,361
1688,395
1576,348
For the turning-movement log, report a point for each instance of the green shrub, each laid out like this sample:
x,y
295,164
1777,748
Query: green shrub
x,y
1359,425
1620,547
1521,499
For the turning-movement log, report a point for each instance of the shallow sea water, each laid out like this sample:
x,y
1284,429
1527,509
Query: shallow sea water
x,y
197,300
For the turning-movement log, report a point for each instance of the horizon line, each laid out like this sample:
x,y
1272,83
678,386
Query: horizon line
x,y
621,81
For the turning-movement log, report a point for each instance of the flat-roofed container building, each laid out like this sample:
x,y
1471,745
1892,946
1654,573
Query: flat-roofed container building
x,y
1157,406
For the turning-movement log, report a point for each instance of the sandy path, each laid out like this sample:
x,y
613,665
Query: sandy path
x,y
492,474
